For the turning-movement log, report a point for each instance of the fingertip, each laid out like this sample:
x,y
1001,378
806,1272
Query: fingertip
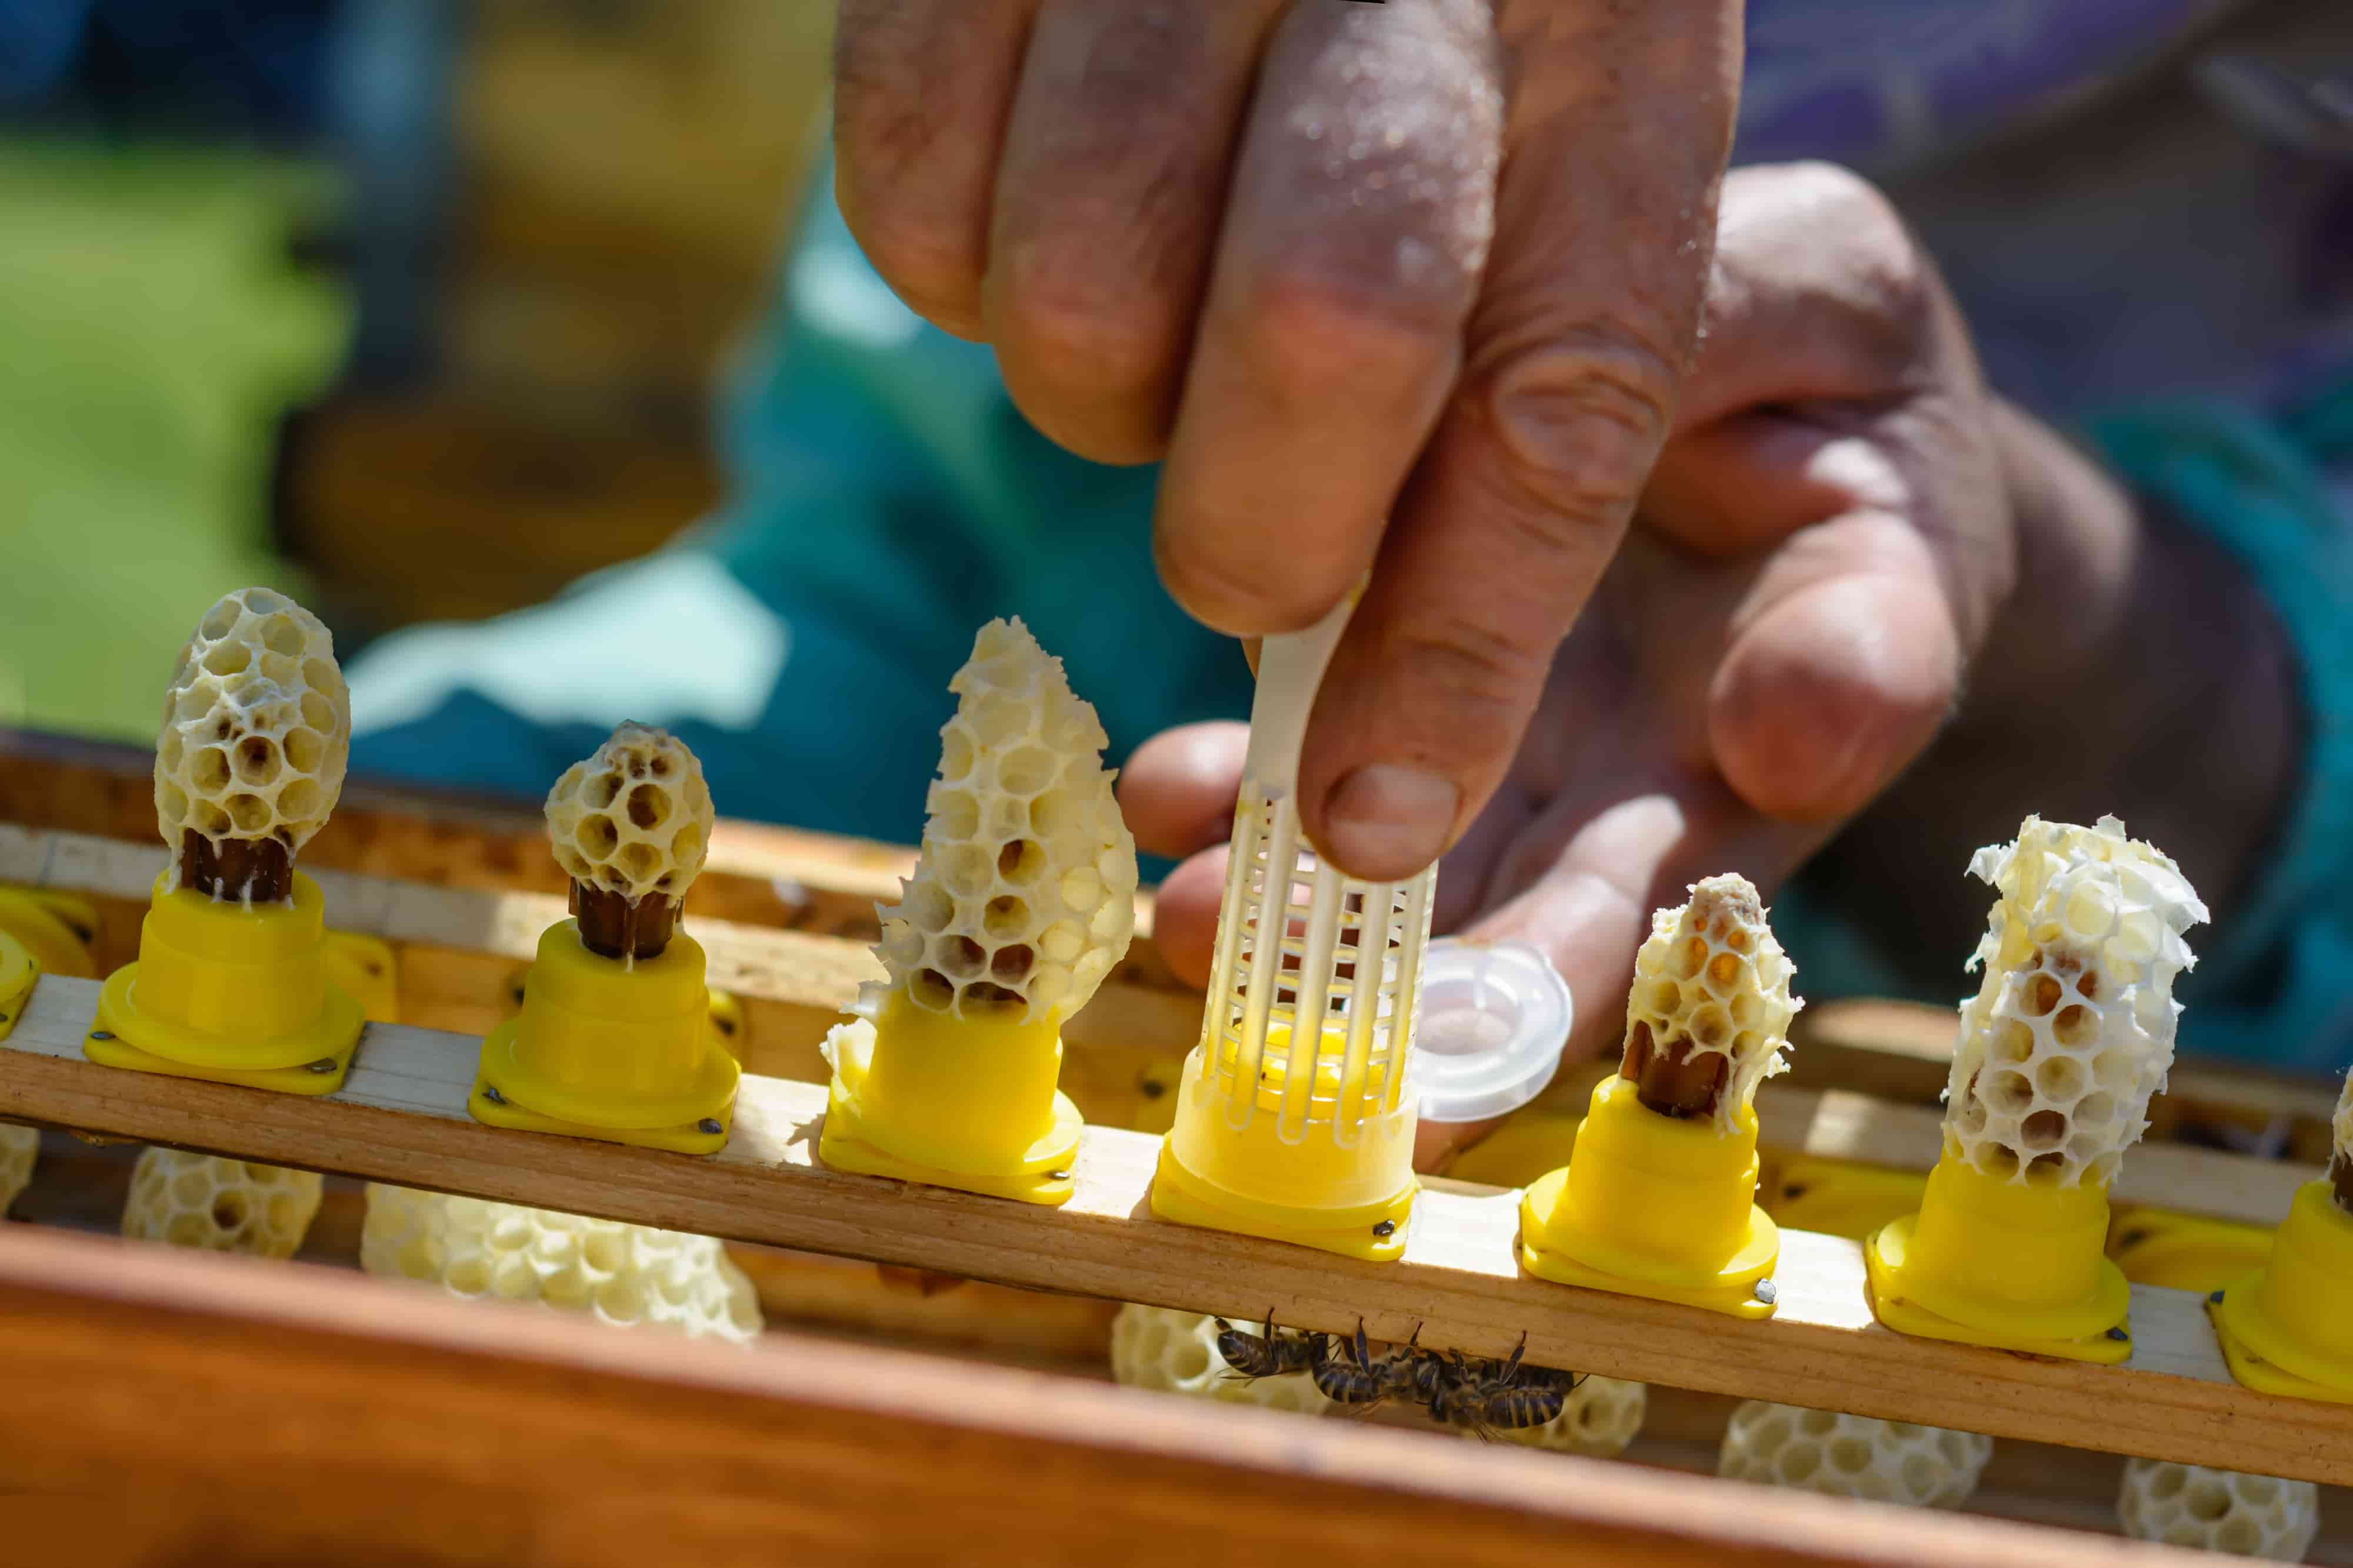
x,y
1178,788
1185,915
1827,697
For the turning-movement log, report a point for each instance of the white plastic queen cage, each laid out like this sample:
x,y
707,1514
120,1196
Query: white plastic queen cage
x,y
1296,1118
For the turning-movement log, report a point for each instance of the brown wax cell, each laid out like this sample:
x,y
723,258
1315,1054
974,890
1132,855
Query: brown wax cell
x,y
612,926
1668,1078
2341,1180
258,870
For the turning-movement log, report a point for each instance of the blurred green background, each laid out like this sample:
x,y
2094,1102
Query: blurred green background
x,y
412,307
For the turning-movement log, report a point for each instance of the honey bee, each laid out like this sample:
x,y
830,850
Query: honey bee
x,y
1251,1356
1347,1372
1486,1396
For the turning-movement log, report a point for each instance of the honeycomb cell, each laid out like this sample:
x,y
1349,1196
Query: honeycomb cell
x,y
634,818
628,1276
257,726
2072,1028
1710,963
1176,1352
20,1148
220,1205
1025,889
1851,1455
2218,1511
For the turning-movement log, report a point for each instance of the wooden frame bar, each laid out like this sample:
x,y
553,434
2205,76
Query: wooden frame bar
x,y
401,1118
168,1409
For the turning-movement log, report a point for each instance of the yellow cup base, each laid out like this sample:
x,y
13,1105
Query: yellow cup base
x,y
18,971
1884,1257
690,1134
366,970
1375,1233
1732,1291
124,1036
1043,1176
2186,1252
49,926
727,1019
2240,1308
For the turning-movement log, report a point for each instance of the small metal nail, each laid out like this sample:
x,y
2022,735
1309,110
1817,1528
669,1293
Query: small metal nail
x,y
2118,1334
324,1065
1386,1227
1767,1292
100,1035
709,1125
491,1093
1057,1175
2216,1298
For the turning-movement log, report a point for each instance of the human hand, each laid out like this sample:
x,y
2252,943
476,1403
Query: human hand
x,y
1818,558
1404,286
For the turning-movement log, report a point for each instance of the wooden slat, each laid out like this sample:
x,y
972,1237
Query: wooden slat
x,y
168,1410
401,1118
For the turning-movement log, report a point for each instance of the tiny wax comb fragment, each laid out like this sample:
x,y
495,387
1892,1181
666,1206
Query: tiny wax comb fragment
x,y
2067,1039
1851,1455
628,1276
214,1204
616,1037
1674,1132
234,982
1022,898
2202,1510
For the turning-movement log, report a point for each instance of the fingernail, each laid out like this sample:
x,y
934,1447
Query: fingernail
x,y
1384,823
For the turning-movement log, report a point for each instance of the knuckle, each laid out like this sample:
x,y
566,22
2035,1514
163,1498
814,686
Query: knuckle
x,y
1891,286
1235,594
1579,418
1470,678
1075,324
1308,327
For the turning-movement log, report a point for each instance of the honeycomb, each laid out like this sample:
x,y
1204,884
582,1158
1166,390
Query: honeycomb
x,y
19,1148
257,726
624,1275
633,819
220,1205
1851,1455
1025,889
2218,1511
1176,1352
1602,1416
2072,1029
1712,972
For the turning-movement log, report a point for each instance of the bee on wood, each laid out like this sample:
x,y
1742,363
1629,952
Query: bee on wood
x,y
1347,1372
1251,1356
1487,1396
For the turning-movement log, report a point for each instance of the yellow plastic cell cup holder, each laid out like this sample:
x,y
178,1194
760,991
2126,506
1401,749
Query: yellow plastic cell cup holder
x,y
727,1015
365,966
618,1051
2288,1329
969,1103
18,972
1295,1183
2186,1252
1655,1207
230,994
57,929
2007,1264
1839,1197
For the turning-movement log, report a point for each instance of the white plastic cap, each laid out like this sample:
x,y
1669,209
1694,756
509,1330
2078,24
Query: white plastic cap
x,y
1495,1016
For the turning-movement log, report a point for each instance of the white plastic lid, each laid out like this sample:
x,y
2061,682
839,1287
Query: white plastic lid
x,y
1494,1017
